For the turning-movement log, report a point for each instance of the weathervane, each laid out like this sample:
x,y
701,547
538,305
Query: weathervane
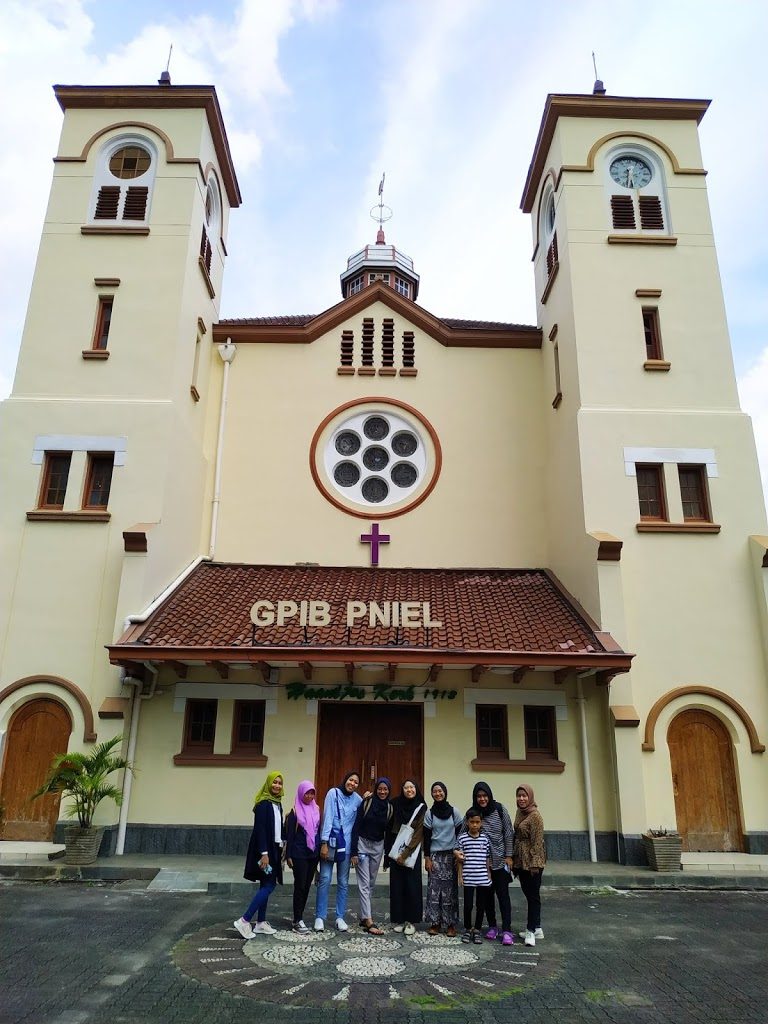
x,y
381,212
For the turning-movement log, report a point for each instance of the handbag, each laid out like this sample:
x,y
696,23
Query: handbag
x,y
337,844
402,840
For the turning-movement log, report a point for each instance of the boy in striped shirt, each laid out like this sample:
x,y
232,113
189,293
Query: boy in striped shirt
x,y
473,854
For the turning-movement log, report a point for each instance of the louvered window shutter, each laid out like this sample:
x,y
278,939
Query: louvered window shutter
x,y
623,212
107,203
135,202
651,216
552,259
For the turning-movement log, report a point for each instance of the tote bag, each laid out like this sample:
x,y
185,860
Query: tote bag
x,y
402,839
337,846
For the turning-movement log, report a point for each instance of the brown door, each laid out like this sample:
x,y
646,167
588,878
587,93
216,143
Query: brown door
x,y
37,732
373,739
706,797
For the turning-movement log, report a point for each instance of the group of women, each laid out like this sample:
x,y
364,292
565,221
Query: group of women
x,y
378,830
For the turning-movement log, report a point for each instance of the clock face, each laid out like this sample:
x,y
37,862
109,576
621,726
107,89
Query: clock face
x,y
631,172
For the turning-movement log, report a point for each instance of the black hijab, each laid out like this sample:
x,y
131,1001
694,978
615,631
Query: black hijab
x,y
344,781
441,808
483,787
404,807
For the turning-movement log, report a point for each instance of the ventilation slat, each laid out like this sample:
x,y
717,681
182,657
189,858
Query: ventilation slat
x,y
367,342
347,348
552,258
651,216
388,343
107,203
135,202
409,350
623,212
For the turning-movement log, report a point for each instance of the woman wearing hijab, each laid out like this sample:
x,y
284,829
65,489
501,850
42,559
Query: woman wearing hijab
x,y
373,817
301,847
441,826
497,825
263,862
339,811
528,858
405,903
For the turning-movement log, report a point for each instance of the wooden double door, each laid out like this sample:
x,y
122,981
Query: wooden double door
x,y
704,780
372,739
36,733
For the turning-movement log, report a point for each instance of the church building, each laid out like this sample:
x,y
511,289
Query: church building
x,y
376,538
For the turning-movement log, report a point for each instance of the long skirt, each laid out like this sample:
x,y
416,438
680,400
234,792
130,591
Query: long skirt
x,y
405,893
442,906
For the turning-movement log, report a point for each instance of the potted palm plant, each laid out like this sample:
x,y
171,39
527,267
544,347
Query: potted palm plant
x,y
663,848
84,779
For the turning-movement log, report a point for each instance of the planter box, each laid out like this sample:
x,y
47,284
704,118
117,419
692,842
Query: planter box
x,y
663,852
82,844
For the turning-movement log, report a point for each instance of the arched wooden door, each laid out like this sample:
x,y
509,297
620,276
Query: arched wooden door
x,y
37,732
706,795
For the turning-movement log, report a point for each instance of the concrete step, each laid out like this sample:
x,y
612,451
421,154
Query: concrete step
x,y
741,863
29,853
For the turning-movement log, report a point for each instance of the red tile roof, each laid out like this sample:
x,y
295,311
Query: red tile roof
x,y
521,613
300,319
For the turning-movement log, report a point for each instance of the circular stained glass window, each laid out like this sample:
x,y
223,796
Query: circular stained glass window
x,y
404,474
129,162
346,474
347,442
375,489
404,443
375,458
376,428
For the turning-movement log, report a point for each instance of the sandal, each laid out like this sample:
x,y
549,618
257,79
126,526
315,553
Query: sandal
x,y
434,930
371,929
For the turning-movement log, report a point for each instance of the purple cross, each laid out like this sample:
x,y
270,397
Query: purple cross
x,y
374,538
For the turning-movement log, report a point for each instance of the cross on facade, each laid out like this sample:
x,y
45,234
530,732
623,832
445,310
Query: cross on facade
x,y
374,538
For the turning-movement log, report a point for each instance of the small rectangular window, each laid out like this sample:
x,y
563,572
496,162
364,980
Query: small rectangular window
x,y
403,287
693,492
355,286
540,734
98,480
652,334
650,492
200,725
53,486
248,727
103,322
491,727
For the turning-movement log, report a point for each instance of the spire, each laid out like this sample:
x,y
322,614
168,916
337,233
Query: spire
x,y
381,212
598,89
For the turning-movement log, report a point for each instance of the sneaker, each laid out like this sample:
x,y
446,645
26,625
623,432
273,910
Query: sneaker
x,y
409,928
507,939
319,924
263,928
530,939
492,933
244,927
466,936
398,927
341,925
477,937
299,926
539,933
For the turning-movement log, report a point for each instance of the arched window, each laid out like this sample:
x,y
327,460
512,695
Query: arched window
x,y
123,181
635,187
548,239
212,225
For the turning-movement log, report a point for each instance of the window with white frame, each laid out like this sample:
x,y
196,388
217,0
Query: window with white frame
x,y
212,226
636,190
548,236
123,181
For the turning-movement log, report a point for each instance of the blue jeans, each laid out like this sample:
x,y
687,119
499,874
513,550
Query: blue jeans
x,y
324,885
258,904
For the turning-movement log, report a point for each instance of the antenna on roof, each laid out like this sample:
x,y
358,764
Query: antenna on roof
x,y
165,77
598,89
381,212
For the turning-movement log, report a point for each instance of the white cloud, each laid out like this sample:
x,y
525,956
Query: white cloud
x,y
753,392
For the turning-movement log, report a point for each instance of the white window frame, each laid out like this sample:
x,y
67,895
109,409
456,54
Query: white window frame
x,y
657,186
104,177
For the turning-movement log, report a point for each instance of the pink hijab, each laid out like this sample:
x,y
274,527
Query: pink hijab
x,y
307,815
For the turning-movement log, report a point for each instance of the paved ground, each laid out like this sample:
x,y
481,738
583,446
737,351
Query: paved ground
x,y
82,954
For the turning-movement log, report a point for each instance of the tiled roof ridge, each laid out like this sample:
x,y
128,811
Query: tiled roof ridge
x,y
301,319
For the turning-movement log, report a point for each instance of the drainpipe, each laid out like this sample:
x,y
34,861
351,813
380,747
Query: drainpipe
x,y
137,698
580,700
227,351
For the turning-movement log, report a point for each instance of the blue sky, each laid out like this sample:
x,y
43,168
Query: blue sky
x,y
320,96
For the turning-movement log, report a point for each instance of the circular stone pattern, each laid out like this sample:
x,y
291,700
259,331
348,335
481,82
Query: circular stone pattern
x,y
443,957
374,944
371,967
288,956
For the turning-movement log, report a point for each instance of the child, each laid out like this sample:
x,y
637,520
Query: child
x,y
473,852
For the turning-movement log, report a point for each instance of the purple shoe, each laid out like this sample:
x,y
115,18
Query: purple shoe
x,y
491,934
508,939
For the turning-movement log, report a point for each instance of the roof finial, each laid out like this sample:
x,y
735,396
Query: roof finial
x,y
381,212
598,89
165,77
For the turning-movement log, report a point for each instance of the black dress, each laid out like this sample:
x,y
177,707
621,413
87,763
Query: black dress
x,y
405,889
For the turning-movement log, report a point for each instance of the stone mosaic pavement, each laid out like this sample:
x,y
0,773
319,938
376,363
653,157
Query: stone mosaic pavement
x,y
100,954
